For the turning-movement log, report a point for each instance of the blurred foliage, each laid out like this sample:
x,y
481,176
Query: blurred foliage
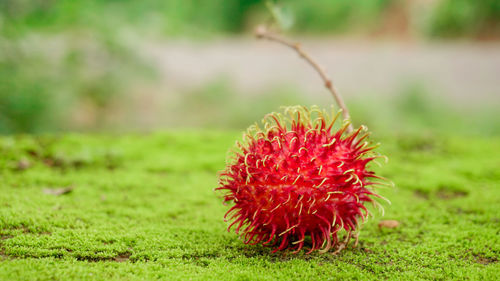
x,y
215,105
197,17
61,57
43,82
26,101
328,16
169,17
415,110
479,18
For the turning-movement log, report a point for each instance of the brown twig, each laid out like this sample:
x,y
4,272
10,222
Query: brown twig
x,y
262,32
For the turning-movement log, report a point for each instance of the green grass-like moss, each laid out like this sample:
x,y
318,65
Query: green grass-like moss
x,y
143,208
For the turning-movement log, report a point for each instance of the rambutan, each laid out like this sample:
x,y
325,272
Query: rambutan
x,y
299,181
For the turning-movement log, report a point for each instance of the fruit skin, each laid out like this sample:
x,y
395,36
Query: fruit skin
x,y
298,179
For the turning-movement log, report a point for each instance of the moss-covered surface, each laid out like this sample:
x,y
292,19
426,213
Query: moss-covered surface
x,y
143,207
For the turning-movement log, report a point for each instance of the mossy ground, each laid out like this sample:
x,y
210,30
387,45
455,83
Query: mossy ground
x,y
143,207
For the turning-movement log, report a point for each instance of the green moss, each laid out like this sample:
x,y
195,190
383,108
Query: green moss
x,y
143,207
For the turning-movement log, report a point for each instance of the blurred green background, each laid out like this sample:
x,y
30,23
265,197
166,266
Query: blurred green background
x,y
108,65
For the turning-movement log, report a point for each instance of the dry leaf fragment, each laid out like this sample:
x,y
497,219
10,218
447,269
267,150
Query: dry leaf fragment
x,y
388,224
23,164
122,257
58,191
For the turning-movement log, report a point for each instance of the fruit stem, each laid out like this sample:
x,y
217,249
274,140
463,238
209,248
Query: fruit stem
x,y
262,32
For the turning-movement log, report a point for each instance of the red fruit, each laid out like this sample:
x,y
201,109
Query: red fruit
x,y
298,180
